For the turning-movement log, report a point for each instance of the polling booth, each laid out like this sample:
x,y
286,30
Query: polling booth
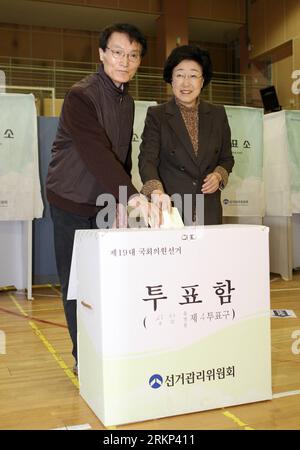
x,y
20,192
165,325
264,186
282,189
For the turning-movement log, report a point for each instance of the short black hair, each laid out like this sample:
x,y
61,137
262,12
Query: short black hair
x,y
133,33
190,52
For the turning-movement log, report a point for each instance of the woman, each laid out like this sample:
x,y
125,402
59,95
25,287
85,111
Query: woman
x,y
186,142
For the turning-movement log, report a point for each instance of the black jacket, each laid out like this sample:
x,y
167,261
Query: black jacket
x,y
167,153
91,154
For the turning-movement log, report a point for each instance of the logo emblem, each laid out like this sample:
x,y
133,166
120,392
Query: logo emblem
x,y
156,381
225,201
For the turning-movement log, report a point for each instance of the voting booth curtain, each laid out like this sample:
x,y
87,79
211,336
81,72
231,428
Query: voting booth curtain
x,y
20,191
244,194
282,189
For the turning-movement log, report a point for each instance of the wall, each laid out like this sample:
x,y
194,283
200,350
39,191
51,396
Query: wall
x,y
282,67
220,55
275,34
225,11
272,23
82,46
150,6
54,43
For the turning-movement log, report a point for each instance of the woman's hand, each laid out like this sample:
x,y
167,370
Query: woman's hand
x,y
211,183
162,201
148,211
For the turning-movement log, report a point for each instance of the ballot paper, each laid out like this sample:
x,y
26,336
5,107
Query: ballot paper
x,y
171,220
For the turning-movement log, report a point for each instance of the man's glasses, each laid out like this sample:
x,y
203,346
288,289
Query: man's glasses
x,y
182,76
119,54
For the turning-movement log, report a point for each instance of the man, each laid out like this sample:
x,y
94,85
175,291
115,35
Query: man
x,y
91,154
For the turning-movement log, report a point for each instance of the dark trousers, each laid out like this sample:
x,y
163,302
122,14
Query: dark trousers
x,y
64,225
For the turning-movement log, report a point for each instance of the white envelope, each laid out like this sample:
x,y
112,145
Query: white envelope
x,y
172,220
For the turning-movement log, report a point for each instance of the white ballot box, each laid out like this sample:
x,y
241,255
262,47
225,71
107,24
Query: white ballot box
x,y
172,321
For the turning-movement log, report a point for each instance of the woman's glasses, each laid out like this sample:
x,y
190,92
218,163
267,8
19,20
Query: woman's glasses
x,y
191,77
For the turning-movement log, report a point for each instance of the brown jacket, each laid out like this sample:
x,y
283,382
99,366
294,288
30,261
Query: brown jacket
x,y
91,154
167,153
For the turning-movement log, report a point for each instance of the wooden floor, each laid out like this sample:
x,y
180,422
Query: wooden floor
x,y
39,391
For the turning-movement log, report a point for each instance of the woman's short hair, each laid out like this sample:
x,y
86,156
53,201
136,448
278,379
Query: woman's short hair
x,y
133,33
189,52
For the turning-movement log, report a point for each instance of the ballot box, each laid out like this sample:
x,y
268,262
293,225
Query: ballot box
x,y
172,321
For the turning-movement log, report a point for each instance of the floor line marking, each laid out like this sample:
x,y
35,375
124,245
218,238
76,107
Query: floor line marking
x,y
56,290
24,315
34,310
285,289
286,394
236,420
48,345
21,294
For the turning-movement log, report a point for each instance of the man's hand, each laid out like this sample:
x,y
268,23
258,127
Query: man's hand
x,y
121,220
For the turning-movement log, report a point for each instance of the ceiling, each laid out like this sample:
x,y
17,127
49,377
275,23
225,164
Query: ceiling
x,y
48,14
